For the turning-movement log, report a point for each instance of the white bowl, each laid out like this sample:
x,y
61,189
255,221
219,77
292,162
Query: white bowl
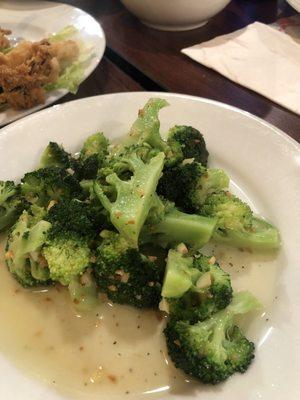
x,y
175,15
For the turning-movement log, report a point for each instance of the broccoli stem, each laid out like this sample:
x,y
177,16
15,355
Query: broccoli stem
x,y
263,236
83,292
177,227
242,303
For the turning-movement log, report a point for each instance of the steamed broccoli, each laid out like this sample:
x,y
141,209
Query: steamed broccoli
x,y
146,128
195,286
52,246
67,256
216,348
7,190
145,132
92,156
191,142
166,226
54,155
67,248
133,197
237,225
116,164
82,218
189,185
25,240
11,204
126,275
96,144
53,183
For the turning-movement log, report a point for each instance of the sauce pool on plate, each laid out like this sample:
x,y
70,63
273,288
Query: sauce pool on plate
x,y
114,350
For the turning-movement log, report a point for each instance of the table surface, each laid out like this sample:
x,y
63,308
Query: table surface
x,y
142,58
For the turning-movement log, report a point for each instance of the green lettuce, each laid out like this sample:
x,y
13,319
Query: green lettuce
x,y
70,79
63,34
72,75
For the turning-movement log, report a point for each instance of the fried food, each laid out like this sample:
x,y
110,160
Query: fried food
x,y
31,65
4,41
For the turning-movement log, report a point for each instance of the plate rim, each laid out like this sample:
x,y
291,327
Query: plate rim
x,y
206,100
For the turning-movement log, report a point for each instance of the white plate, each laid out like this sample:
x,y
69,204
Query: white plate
x,y
295,4
35,20
263,163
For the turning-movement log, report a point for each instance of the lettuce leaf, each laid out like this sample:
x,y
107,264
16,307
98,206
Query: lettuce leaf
x,y
63,34
72,75
6,50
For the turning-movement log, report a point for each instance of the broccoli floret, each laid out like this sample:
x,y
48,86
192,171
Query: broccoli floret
x,y
191,142
98,214
96,144
145,152
74,225
145,132
166,226
41,186
189,185
237,225
126,275
11,204
82,218
133,197
195,286
23,248
146,128
88,168
232,213
52,246
54,155
216,348
67,255
7,190
119,165
92,156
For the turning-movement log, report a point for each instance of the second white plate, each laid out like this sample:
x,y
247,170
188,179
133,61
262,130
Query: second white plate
x,y
295,4
36,20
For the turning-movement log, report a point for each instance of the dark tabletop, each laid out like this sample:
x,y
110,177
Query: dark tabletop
x,y
142,58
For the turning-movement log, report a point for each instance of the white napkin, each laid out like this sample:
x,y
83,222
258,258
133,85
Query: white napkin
x,y
258,57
